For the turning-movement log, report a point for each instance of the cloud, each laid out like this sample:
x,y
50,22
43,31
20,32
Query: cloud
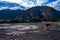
x,y
55,4
15,8
27,3
1,8
16,1
31,3
11,8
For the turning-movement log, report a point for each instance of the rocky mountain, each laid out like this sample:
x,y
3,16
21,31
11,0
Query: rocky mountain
x,y
39,12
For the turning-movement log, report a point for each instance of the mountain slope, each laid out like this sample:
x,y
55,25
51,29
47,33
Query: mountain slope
x,y
39,12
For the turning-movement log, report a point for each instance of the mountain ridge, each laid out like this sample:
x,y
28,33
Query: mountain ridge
x,y
45,11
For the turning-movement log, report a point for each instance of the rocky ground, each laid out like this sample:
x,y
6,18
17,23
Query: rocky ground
x,y
30,31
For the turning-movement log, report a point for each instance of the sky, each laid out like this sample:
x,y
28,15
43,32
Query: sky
x,y
31,3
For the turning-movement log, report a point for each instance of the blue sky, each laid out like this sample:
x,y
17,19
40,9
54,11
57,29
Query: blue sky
x,y
49,1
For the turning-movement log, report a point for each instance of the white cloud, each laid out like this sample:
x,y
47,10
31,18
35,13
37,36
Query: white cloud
x,y
14,8
31,3
1,8
11,8
16,1
27,3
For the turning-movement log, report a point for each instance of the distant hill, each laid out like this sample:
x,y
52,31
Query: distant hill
x,y
9,14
